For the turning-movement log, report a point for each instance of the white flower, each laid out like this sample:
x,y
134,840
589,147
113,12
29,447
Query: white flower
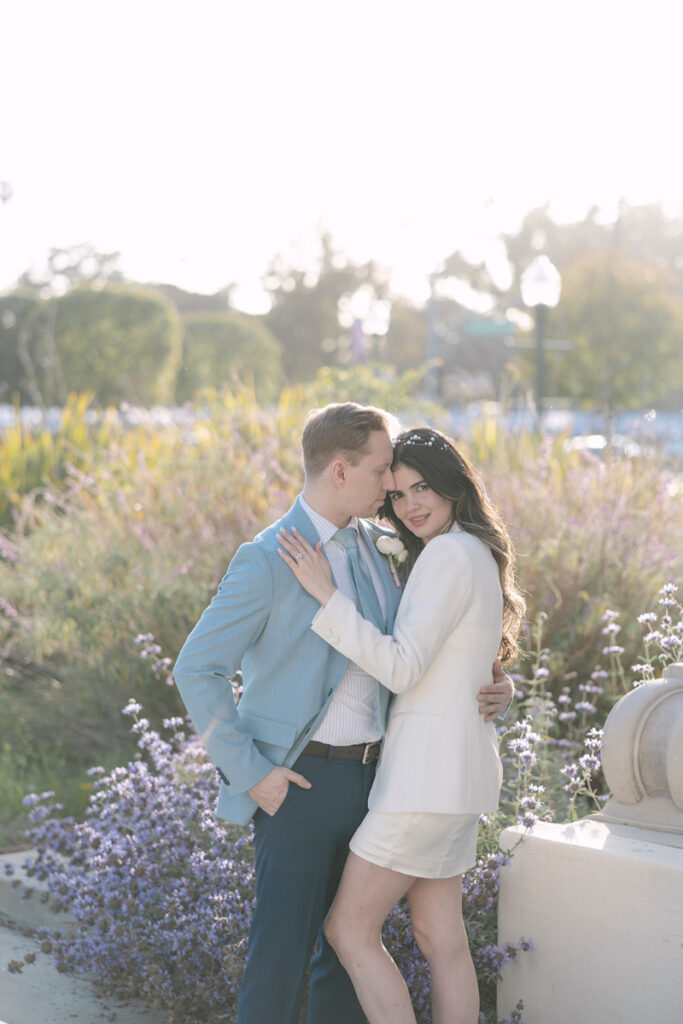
x,y
395,551
395,546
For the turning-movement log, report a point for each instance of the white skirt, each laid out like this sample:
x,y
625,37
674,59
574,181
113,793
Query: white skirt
x,y
417,843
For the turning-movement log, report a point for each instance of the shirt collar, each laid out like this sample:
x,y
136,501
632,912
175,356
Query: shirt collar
x,y
326,529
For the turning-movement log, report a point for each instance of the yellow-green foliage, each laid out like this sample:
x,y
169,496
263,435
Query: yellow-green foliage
x,y
31,460
370,384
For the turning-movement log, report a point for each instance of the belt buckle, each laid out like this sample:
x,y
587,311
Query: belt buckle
x,y
369,749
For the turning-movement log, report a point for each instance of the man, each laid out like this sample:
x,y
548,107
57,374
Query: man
x,y
299,752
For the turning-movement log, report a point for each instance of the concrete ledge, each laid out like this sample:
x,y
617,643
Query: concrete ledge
x,y
603,904
40,994
26,912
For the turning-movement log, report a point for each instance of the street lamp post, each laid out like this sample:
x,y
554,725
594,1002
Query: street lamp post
x,y
541,286
432,353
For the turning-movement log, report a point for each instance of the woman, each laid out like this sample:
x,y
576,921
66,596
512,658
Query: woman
x,y
440,767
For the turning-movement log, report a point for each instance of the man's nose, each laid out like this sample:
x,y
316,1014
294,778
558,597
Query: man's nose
x,y
388,480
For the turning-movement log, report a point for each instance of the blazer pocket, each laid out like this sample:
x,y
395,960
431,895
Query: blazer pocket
x,y
268,730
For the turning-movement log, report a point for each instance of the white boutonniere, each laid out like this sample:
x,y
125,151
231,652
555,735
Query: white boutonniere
x,y
396,551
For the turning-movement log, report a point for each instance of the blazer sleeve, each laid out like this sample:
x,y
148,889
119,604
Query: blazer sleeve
x,y
438,594
212,654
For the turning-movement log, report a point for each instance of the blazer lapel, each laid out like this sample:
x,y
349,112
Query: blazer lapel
x,y
297,517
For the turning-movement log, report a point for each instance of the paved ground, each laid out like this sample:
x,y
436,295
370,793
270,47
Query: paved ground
x,y
40,995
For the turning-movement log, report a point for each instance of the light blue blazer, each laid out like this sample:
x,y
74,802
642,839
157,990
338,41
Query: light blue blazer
x,y
260,621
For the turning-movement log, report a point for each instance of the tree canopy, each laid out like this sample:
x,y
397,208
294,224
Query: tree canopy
x,y
627,328
121,342
219,346
621,312
306,305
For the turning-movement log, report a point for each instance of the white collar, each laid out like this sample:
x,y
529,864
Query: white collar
x,y
326,529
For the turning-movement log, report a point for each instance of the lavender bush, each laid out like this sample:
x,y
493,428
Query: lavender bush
x,y
161,893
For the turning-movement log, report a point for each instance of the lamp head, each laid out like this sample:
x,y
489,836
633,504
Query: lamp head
x,y
541,284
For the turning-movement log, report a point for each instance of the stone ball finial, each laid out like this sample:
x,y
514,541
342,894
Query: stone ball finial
x,y
642,754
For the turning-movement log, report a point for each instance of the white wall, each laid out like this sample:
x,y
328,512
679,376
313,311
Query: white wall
x,y
603,904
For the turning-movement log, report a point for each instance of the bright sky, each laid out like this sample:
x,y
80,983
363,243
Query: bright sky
x,y
200,138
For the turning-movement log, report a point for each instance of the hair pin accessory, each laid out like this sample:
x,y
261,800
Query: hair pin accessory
x,y
419,439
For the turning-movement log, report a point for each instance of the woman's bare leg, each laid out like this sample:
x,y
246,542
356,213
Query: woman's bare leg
x,y
366,895
439,930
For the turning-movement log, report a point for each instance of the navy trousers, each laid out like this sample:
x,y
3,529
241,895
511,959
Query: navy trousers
x,y
299,857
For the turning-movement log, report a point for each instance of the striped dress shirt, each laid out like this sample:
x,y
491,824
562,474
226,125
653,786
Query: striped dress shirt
x,y
352,713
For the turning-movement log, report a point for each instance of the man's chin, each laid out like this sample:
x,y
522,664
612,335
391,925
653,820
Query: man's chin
x,y
372,510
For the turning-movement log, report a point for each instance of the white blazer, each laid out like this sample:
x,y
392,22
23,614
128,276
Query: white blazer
x,y
439,754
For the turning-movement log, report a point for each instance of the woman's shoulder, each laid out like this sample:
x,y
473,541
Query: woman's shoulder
x,y
457,548
455,539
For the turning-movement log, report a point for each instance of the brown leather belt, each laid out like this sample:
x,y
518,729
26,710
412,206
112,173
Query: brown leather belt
x,y
367,753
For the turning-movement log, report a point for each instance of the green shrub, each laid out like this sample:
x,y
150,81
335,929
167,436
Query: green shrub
x,y
217,347
123,343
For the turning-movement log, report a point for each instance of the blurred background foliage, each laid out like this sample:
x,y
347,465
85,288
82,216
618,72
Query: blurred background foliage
x,y
81,326
221,346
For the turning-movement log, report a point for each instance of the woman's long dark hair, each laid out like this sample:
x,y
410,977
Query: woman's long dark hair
x,y
448,473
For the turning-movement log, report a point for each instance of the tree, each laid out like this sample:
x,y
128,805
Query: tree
x,y
68,268
405,346
627,328
643,238
305,312
23,356
195,302
121,342
217,346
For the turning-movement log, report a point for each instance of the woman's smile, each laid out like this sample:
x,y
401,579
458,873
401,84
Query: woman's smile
x,y
422,510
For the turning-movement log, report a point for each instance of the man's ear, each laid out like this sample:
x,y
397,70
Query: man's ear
x,y
338,470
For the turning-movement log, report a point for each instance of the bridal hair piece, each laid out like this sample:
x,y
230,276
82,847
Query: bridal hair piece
x,y
427,439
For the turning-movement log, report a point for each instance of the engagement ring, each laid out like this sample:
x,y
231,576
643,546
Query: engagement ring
x,y
298,555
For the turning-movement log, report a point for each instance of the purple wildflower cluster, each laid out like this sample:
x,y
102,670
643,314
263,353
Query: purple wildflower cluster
x,y
663,639
580,774
562,732
160,892
150,651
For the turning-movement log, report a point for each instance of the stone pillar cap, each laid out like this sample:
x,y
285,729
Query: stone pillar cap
x,y
642,754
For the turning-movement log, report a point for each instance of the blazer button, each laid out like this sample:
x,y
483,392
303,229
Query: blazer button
x,y
327,632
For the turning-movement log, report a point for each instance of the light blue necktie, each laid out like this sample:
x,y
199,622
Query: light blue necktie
x,y
368,601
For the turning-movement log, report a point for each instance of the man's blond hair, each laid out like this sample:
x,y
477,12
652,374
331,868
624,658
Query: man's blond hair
x,y
342,428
